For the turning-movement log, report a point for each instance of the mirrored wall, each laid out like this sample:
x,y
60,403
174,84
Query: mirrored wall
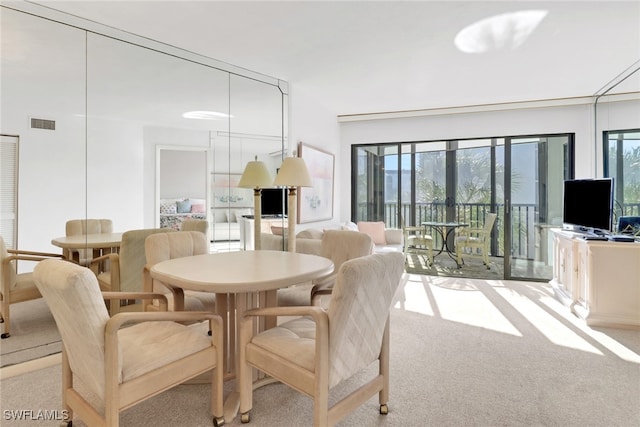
x,y
131,125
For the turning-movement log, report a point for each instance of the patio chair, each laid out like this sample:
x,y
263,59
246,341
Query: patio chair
x,y
475,241
418,241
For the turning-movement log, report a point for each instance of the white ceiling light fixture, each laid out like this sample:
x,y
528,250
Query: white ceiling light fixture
x,y
206,115
505,31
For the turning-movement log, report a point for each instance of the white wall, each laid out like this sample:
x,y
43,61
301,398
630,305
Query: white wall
x,y
54,160
315,125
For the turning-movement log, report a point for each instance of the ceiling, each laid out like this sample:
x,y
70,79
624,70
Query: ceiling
x,y
357,57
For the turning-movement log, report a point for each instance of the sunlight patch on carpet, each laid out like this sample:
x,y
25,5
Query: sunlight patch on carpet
x,y
545,322
471,308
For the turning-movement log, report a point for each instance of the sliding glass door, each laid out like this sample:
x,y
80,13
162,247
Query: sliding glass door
x,y
462,181
537,168
621,160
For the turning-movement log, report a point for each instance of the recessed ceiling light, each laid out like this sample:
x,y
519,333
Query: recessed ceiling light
x,y
508,30
206,115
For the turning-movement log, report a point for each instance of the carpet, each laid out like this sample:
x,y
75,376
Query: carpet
x,y
463,353
33,333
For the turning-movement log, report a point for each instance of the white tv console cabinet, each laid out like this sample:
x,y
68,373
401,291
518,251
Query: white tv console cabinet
x,y
598,280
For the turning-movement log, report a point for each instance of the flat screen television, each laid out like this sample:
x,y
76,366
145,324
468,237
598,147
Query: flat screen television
x,y
588,205
274,202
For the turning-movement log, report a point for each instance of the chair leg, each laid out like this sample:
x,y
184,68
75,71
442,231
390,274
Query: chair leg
x,y
459,257
383,396
245,371
6,318
67,383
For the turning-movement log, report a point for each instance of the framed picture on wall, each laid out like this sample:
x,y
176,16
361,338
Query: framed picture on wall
x,y
226,192
316,203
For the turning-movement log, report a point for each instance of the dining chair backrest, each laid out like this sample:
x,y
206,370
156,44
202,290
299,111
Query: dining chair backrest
x,y
358,311
132,257
78,227
165,246
74,298
342,245
489,221
192,224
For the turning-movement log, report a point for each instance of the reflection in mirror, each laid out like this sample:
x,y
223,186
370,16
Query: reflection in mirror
x,y
43,76
132,109
114,103
616,107
119,104
181,191
255,131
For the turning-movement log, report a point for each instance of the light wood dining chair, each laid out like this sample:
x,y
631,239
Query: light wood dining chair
x,y
77,227
123,366
339,246
165,246
126,267
192,224
316,352
16,287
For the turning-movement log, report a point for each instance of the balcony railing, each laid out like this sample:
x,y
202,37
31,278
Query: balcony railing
x,y
523,234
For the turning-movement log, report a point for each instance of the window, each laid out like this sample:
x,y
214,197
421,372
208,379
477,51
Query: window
x,y
622,163
9,189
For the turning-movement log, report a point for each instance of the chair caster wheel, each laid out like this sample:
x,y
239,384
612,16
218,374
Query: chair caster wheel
x,y
5,335
245,418
384,409
218,422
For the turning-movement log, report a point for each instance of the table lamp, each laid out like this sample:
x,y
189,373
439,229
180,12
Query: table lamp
x,y
293,173
256,176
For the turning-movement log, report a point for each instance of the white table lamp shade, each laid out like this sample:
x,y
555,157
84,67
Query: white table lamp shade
x,y
293,173
255,175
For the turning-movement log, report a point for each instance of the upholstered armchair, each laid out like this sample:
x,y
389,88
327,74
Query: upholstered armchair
x,y
16,287
475,241
319,350
126,266
164,246
77,227
339,246
124,365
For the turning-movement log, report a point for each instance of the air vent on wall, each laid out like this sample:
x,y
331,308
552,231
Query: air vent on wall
x,y
43,124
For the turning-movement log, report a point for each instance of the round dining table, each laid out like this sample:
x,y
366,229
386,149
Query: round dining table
x,y
241,280
99,242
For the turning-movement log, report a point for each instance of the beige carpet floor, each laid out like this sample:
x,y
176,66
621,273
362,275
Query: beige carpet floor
x,y
463,353
33,334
